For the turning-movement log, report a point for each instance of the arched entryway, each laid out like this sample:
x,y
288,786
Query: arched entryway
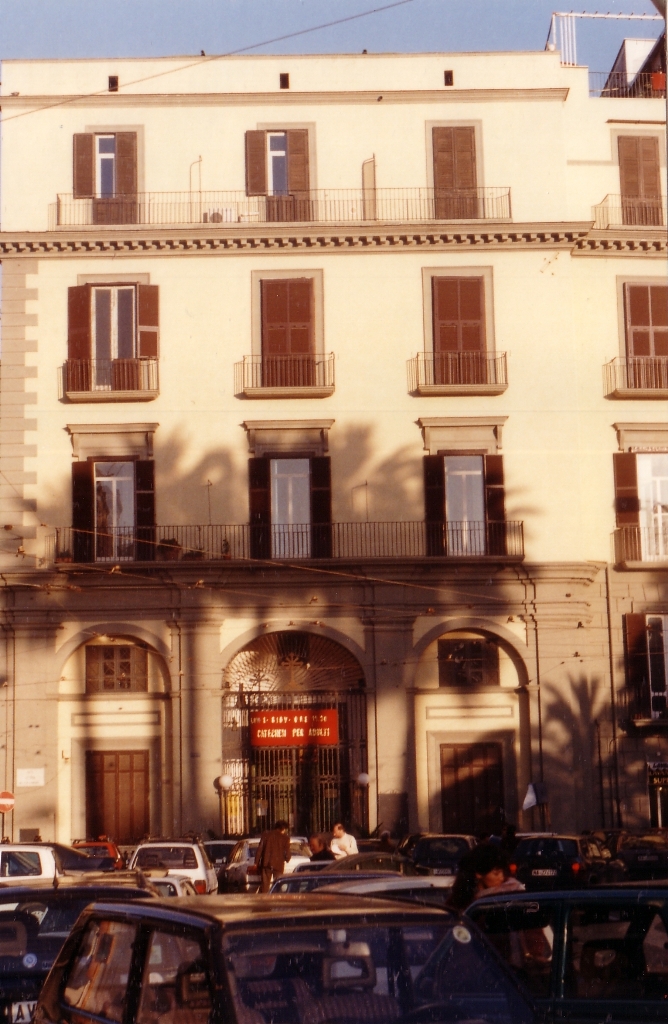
x,y
294,734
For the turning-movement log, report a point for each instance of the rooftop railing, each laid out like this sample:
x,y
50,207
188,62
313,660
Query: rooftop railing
x,y
322,206
620,84
629,211
641,543
637,376
457,372
242,542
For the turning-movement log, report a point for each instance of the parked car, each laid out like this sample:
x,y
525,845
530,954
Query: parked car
x,y
102,847
34,923
559,862
218,851
239,876
263,959
441,854
178,857
372,862
30,862
639,856
586,956
309,881
171,886
430,890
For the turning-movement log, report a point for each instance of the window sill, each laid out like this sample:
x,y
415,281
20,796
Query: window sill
x,y
629,566
642,393
316,391
111,396
459,389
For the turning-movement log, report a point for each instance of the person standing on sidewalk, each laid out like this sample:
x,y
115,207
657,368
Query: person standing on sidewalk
x,y
272,854
343,844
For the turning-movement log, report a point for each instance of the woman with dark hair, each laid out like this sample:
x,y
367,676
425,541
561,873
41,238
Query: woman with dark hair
x,y
484,870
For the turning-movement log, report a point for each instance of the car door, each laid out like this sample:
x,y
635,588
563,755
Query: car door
x,y
176,981
98,982
615,960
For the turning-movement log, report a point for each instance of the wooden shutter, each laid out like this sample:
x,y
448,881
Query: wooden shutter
x,y
287,331
275,325
629,165
321,507
637,663
145,509
458,310
298,173
650,175
83,511
259,500
454,171
126,164
434,503
495,509
79,322
256,163
148,322
627,503
83,177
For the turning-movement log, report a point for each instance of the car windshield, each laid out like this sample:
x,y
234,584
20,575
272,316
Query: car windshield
x,y
545,848
653,840
219,852
446,850
299,848
166,857
94,850
348,971
33,930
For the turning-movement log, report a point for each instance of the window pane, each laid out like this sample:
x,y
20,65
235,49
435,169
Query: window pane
x,y
175,985
99,977
652,473
125,298
102,328
290,508
639,305
16,864
278,164
464,488
659,303
524,936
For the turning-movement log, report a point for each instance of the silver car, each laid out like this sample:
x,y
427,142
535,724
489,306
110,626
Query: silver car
x,y
236,876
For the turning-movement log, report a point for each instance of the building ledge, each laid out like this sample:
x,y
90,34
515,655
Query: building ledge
x,y
643,393
111,396
460,389
291,392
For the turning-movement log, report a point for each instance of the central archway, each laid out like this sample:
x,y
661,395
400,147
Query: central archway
x,y
294,734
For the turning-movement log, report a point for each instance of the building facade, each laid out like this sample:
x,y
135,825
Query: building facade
x,y
338,473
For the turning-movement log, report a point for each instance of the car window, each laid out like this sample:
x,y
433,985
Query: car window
x,y
18,863
523,933
653,840
175,985
166,857
436,851
299,848
545,848
98,979
165,888
205,857
617,951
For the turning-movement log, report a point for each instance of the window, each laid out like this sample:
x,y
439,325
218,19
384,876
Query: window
x,y
116,667
98,980
112,340
464,504
641,505
277,166
523,934
17,864
105,171
175,983
290,507
463,661
646,642
455,177
287,333
639,179
646,316
113,510
459,330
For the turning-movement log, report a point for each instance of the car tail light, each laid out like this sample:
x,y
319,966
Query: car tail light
x,y
200,886
513,869
575,867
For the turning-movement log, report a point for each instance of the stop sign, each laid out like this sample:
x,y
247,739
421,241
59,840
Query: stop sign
x,y
6,802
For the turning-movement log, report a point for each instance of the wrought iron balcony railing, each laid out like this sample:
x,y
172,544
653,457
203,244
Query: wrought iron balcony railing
x,y
285,376
103,380
637,377
642,543
440,373
629,211
241,542
619,84
641,707
320,206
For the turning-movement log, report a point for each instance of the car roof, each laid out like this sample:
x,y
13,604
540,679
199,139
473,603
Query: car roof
x,y
385,884
611,890
92,892
244,908
553,835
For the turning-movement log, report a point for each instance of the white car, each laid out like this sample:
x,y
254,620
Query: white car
x,y
28,863
236,876
178,857
173,885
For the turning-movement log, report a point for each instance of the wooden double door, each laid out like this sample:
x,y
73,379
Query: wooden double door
x,y
117,794
472,787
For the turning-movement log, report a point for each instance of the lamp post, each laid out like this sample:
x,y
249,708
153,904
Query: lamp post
x,y
223,784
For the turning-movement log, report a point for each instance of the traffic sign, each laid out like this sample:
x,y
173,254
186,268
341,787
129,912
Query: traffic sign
x,y
7,802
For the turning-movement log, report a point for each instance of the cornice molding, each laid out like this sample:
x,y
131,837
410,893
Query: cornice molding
x,y
283,99
623,242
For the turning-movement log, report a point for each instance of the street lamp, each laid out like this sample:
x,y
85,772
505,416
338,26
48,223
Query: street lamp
x,y
223,784
363,779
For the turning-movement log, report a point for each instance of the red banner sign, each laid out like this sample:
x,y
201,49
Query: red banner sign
x,y
306,728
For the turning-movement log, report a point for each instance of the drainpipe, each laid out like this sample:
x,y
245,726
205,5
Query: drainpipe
x,y
10,699
613,707
176,627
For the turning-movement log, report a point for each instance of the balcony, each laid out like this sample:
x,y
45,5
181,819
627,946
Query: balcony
x,y
637,377
643,709
629,211
457,373
641,545
241,542
285,376
323,206
620,84
110,380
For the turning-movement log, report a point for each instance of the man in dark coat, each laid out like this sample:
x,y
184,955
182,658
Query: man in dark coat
x,y
272,854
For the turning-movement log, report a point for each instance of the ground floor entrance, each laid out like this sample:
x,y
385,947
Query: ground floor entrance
x,y
117,794
472,797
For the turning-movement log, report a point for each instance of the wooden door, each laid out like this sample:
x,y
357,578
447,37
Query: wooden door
x,y
640,181
117,783
455,182
472,787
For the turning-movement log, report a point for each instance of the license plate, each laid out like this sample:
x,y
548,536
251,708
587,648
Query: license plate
x,y
442,871
648,857
544,872
22,1013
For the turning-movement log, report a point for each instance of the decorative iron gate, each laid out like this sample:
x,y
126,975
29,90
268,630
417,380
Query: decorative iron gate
x,y
311,785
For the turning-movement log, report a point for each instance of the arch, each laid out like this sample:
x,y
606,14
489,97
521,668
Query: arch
x,y
244,639
517,651
119,630
293,660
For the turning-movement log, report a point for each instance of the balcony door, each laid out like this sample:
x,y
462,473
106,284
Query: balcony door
x,y
472,787
114,510
455,178
652,474
459,330
640,179
288,358
465,504
117,794
290,508
114,334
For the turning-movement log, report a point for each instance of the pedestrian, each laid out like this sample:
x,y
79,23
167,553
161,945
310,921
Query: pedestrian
x,y
386,845
484,870
272,854
343,844
319,848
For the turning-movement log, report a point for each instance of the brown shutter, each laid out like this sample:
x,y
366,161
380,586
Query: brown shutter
x,y
298,172
259,500
79,322
256,163
126,164
464,147
444,158
321,507
275,329
148,321
495,509
434,503
83,178
629,165
627,504
454,172
300,315
637,664
145,509
650,177
83,513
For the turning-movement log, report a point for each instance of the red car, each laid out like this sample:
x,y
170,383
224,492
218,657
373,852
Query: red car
x,y
101,847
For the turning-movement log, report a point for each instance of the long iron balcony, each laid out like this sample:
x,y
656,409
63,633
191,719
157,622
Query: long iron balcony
x,y
109,380
629,211
457,373
242,542
322,206
637,377
642,544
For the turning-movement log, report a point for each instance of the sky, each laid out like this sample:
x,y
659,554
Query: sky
x,y
135,28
